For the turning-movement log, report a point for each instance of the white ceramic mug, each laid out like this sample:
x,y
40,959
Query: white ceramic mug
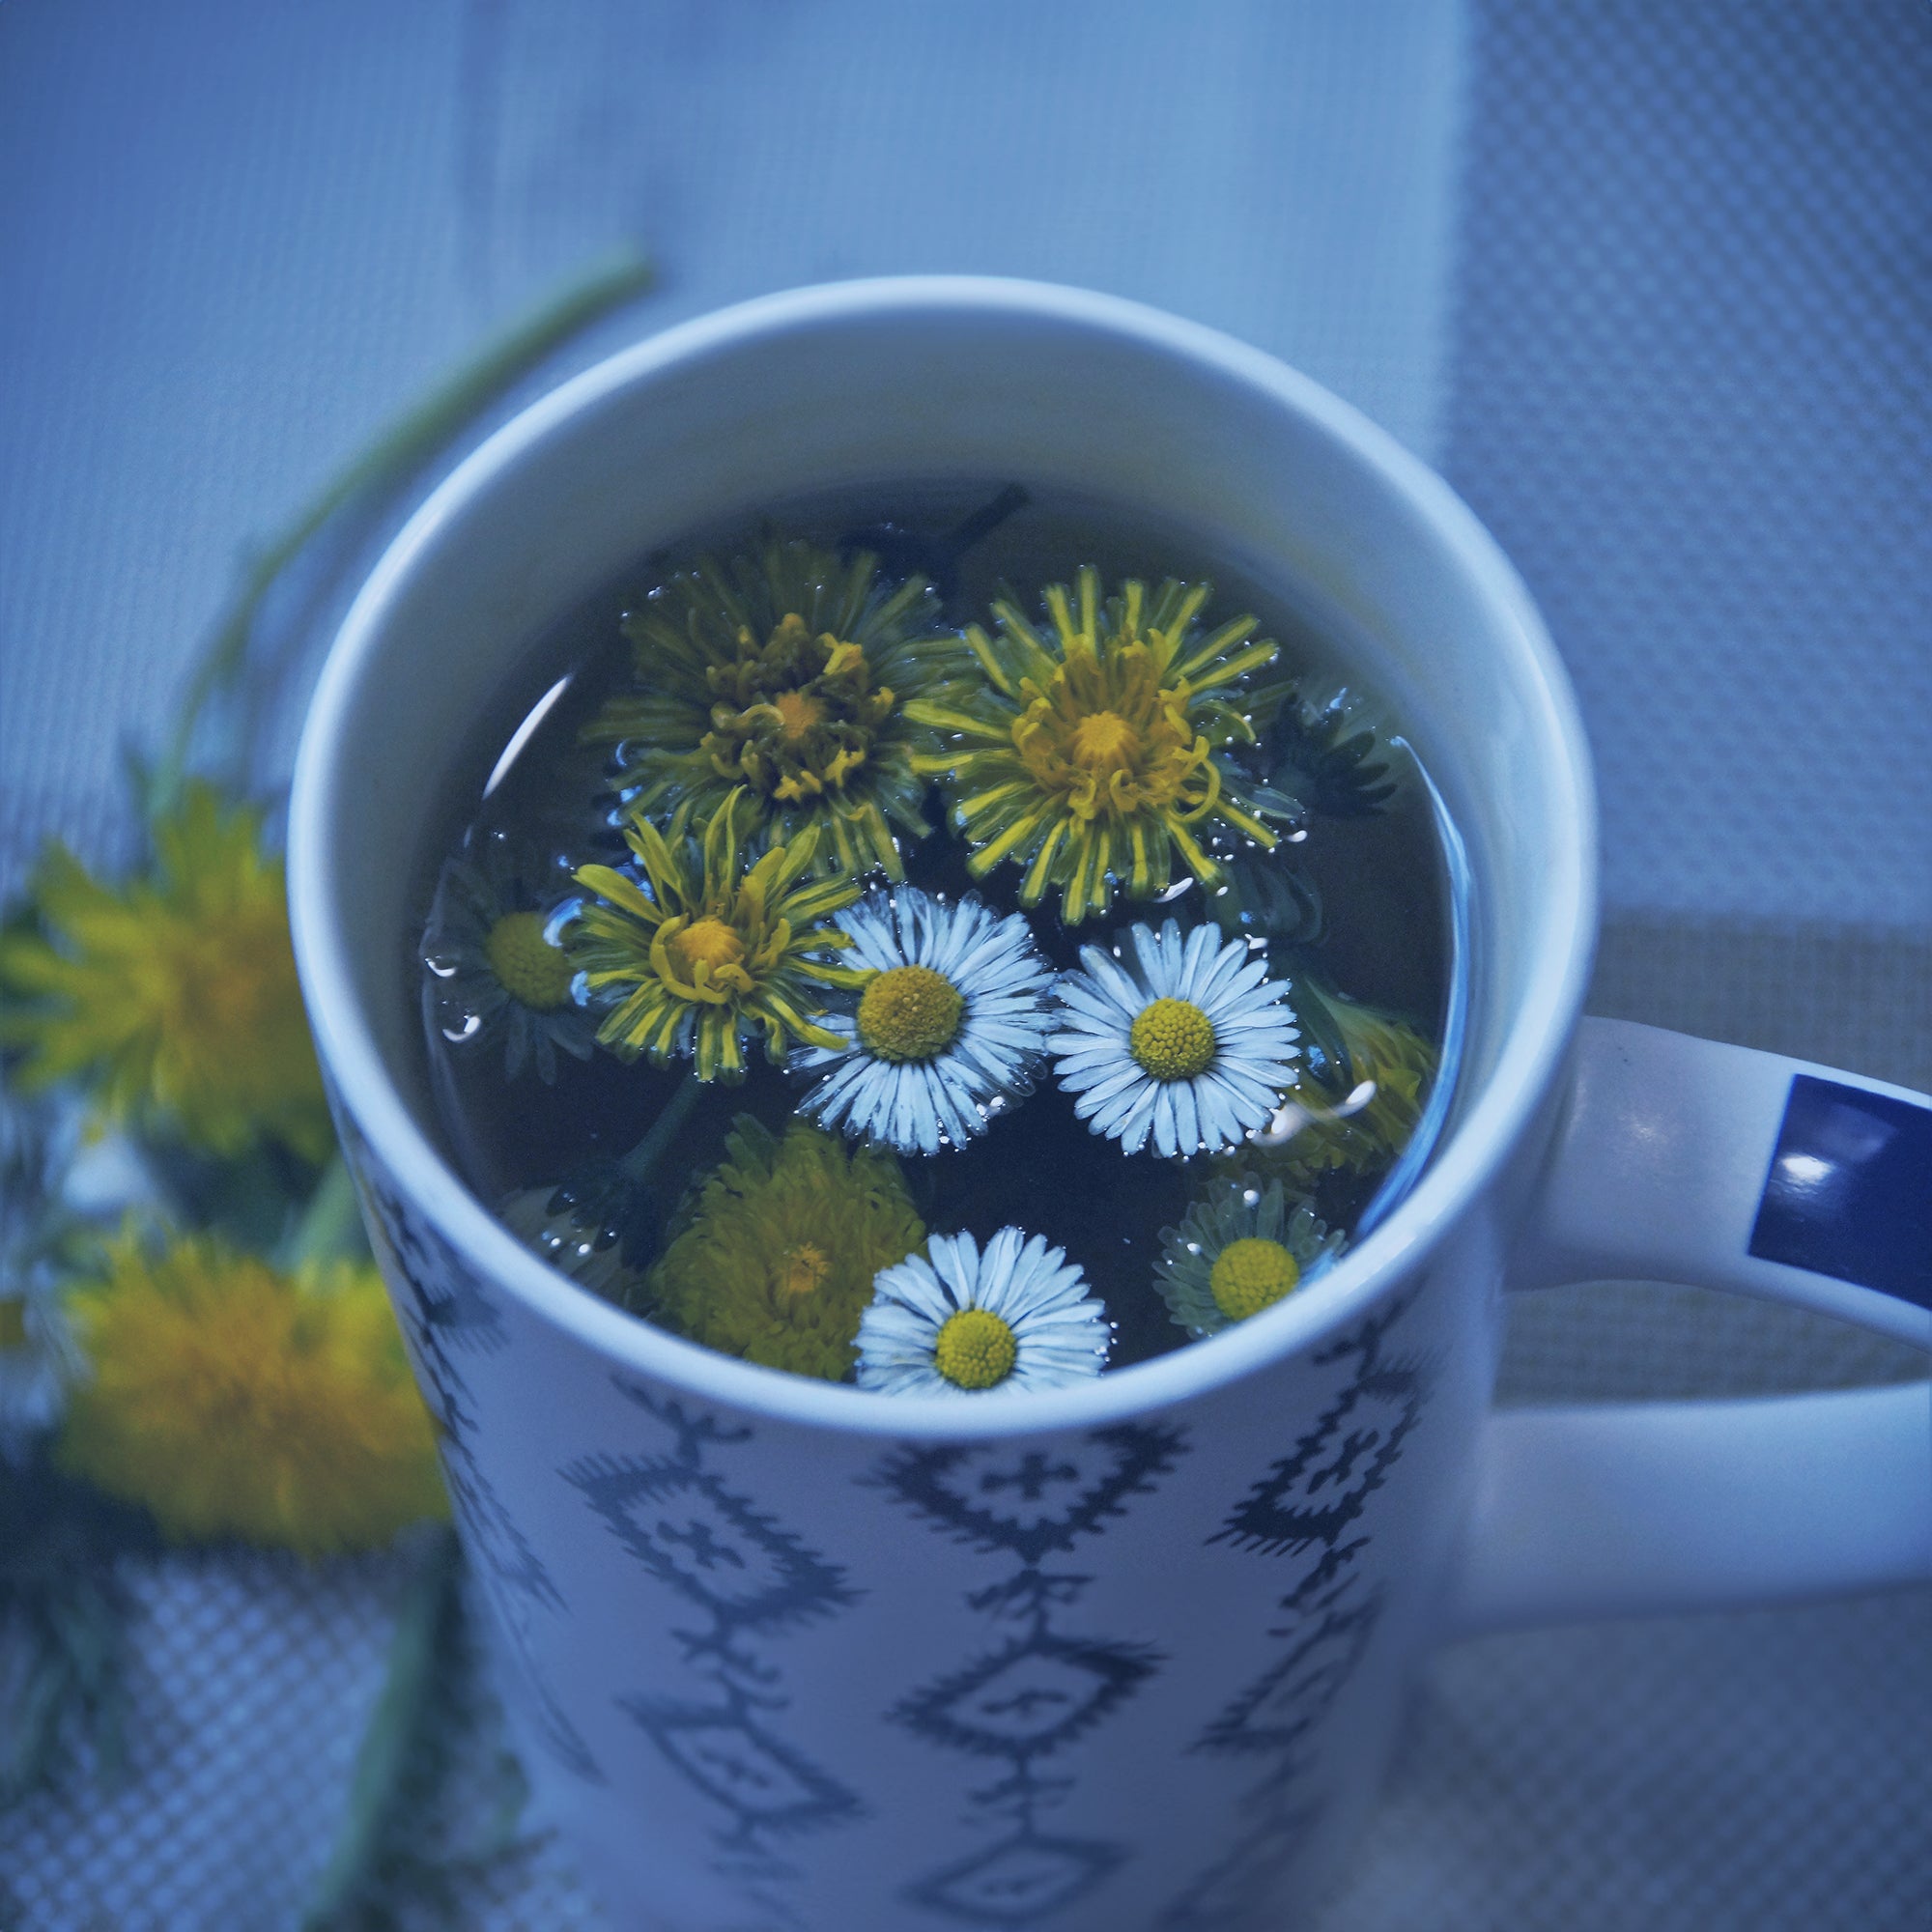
x,y
1129,1654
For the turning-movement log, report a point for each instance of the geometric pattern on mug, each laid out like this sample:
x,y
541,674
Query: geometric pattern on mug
x,y
1309,1500
682,1524
753,1582
444,1313
735,1761
1037,1693
1314,1494
1028,1502
1018,1882
1031,1696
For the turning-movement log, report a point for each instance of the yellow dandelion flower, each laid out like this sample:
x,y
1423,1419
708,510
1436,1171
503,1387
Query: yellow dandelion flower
x,y
176,994
1357,1094
787,673
233,1400
1092,755
700,956
777,1258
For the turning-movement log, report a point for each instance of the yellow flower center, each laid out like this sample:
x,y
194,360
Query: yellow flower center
x,y
910,1013
527,965
1173,1040
801,1270
800,711
975,1349
1249,1274
1103,741
705,942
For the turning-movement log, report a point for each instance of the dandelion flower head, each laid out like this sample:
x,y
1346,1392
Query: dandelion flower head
x,y
775,1258
1187,1044
950,1025
697,954
1090,753
232,1399
787,673
1357,1096
1015,1315
175,996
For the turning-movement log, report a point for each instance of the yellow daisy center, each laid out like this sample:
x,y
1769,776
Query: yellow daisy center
x,y
801,1270
705,942
800,711
975,1349
1173,1040
910,1013
1103,741
527,965
1249,1274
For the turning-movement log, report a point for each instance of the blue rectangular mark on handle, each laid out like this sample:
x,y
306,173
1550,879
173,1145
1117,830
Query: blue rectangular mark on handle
x,y
1850,1189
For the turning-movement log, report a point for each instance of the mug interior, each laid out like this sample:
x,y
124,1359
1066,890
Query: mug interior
x,y
940,378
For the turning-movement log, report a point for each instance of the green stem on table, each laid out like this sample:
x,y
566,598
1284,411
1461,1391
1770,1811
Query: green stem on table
x,y
399,448
329,1227
649,1151
393,1735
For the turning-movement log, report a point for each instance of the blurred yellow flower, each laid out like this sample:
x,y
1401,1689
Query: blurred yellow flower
x,y
176,994
234,1400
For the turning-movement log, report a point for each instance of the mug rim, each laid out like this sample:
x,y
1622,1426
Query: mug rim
x,y
1534,1040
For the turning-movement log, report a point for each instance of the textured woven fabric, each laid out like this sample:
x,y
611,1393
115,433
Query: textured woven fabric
x,y
1692,395
1685,384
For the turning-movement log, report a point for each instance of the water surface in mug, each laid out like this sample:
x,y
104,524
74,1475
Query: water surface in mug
x,y
945,937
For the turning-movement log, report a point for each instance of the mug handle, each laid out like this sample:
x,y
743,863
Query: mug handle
x,y
1679,1159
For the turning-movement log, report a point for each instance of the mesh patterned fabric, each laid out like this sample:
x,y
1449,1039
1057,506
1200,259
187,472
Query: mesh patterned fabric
x,y
1687,384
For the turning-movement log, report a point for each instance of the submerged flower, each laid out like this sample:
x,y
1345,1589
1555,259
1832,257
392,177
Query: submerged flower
x,y
1358,1094
1241,1247
787,673
234,1400
775,1260
491,970
950,1024
1190,1046
175,995
1092,755
1014,1316
597,1225
700,955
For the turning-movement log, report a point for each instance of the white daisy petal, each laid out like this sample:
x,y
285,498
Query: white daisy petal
x,y
1253,1030
1234,1209
920,1106
1059,1335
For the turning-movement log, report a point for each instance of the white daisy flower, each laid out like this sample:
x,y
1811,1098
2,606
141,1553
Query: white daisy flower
x,y
1242,1246
1189,1044
1014,1316
948,1030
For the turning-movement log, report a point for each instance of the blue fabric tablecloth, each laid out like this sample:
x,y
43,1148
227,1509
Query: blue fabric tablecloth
x,y
1650,282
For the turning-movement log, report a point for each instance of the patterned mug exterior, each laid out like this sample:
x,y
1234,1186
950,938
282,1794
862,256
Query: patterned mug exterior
x,y
793,1656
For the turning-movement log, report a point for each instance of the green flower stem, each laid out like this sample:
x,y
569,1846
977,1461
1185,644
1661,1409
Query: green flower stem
x,y
637,1165
393,1737
330,1227
398,449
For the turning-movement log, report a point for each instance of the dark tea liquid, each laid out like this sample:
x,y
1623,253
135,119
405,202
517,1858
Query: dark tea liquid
x,y
1369,900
